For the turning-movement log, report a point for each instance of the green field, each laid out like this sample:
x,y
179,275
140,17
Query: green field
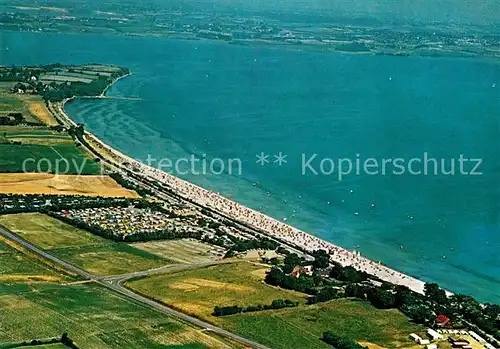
x,y
111,259
303,326
49,346
94,318
47,232
187,251
43,346
29,131
64,78
13,262
92,253
198,291
13,103
17,267
42,150
10,104
45,158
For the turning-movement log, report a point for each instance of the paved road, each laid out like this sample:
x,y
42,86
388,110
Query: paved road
x,y
114,283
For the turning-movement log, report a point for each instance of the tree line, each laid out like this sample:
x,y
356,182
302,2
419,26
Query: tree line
x,y
420,308
340,342
234,309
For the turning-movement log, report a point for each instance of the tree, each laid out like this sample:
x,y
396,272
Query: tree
x,y
420,314
291,261
274,261
403,295
381,299
325,295
492,310
435,294
321,259
339,342
275,277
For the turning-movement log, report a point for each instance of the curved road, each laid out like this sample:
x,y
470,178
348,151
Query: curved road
x,y
115,283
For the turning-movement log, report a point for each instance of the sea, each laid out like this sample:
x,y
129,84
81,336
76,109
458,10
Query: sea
x,y
276,129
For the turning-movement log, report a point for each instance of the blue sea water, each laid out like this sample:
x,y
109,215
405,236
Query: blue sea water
x,y
224,101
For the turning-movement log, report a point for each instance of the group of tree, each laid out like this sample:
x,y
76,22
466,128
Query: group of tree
x,y
64,339
129,185
340,342
304,283
421,308
324,295
234,309
348,274
68,341
45,203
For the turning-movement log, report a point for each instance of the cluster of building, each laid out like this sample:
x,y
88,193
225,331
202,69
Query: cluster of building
x,y
124,221
17,203
454,337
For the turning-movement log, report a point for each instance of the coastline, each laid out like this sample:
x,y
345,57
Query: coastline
x,y
268,225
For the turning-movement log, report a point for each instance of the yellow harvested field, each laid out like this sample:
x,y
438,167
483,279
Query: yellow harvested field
x,y
44,183
40,111
31,278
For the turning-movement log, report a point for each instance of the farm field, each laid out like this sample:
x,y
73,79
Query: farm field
x,y
58,151
44,183
38,110
44,346
302,327
49,346
34,135
198,291
47,232
111,259
81,248
58,158
94,318
182,251
33,107
16,266
63,78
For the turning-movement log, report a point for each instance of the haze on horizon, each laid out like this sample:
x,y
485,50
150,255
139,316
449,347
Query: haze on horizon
x,y
479,12
474,12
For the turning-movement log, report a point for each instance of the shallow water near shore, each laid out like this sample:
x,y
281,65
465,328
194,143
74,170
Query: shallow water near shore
x,y
232,102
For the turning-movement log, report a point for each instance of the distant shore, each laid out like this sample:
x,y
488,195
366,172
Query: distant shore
x,y
265,223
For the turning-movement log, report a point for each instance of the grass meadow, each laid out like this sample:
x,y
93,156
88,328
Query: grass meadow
x,y
79,247
198,291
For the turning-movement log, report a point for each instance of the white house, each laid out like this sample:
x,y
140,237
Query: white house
x,y
433,335
477,337
415,338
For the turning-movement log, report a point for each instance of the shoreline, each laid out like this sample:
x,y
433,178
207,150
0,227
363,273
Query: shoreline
x,y
268,225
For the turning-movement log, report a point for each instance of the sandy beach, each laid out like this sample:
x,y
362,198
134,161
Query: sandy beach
x,y
271,226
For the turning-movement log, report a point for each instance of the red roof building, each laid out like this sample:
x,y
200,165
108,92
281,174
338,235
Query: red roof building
x,y
442,321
